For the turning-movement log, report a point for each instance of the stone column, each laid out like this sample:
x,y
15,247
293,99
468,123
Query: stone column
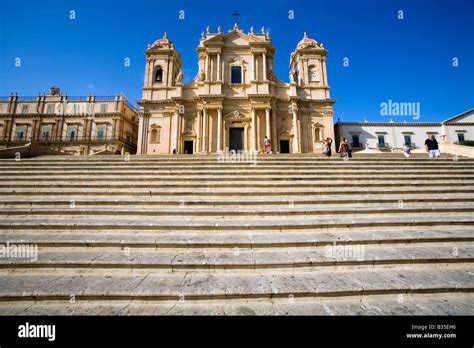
x,y
267,122
176,133
198,131
147,72
254,130
219,130
204,130
264,59
253,66
274,131
219,78
296,138
207,67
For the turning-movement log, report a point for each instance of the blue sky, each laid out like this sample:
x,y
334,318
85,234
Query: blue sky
x,y
408,60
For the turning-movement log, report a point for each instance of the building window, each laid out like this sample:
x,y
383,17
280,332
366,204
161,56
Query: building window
x,y
461,138
103,108
159,75
407,139
71,133
100,132
20,133
313,74
24,109
45,132
381,140
155,135
236,74
49,109
355,140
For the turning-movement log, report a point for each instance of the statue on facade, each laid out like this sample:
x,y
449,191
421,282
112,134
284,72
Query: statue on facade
x,y
179,77
54,90
202,75
292,76
271,75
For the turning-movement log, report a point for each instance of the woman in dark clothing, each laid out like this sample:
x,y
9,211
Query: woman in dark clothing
x,y
327,147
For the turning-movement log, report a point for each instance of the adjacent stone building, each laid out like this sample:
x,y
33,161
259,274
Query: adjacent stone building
x,y
81,125
235,100
388,135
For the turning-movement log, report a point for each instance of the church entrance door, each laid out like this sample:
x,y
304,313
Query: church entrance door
x,y
284,146
188,147
236,139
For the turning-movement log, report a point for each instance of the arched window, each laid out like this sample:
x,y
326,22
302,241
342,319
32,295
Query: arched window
x,y
155,135
313,74
159,75
236,74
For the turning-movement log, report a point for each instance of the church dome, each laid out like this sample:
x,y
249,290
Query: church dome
x,y
307,42
164,42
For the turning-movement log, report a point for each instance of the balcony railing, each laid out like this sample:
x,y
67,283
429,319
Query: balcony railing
x,y
104,97
73,98
67,140
382,145
27,98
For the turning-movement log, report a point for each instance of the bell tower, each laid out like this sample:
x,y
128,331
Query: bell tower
x,y
308,68
162,70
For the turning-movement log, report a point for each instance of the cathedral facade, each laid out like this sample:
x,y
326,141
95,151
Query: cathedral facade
x,y
235,100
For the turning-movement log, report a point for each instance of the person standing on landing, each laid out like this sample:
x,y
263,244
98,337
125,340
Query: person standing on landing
x,y
343,148
431,146
327,147
267,144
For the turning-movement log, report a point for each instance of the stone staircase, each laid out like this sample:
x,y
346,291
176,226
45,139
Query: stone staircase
x,y
289,234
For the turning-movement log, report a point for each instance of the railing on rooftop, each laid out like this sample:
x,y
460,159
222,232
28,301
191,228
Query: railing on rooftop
x,y
4,98
99,97
77,98
27,98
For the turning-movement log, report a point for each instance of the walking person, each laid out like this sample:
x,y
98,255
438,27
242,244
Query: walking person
x,y
267,144
431,146
349,148
343,148
406,151
327,147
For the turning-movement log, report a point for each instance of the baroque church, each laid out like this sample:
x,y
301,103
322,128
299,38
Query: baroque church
x,y
236,100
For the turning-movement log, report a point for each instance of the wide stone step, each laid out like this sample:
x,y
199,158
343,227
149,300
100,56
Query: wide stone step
x,y
273,173
50,199
193,178
440,303
237,192
224,212
166,285
237,239
254,259
236,223
261,165
228,184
